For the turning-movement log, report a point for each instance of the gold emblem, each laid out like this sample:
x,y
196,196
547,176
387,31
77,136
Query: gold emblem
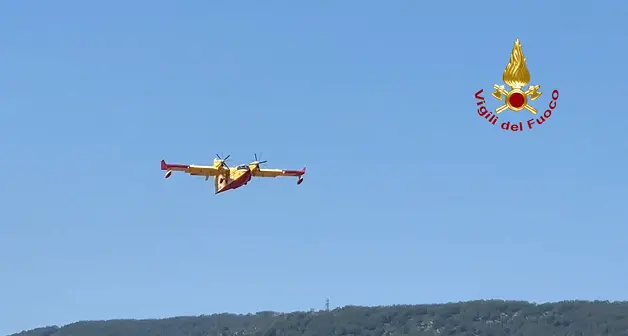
x,y
516,76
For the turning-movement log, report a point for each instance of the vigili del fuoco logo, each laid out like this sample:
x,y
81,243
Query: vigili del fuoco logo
x,y
518,98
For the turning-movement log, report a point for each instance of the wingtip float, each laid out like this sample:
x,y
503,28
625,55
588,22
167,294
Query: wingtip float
x,y
230,178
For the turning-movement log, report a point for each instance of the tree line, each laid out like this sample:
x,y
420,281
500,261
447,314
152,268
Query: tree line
x,y
474,318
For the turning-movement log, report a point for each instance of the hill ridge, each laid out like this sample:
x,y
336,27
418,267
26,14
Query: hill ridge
x,y
477,317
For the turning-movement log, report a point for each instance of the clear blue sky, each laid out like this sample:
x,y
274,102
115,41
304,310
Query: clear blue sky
x,y
410,197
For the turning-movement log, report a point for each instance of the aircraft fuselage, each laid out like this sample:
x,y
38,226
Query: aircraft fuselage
x,y
242,177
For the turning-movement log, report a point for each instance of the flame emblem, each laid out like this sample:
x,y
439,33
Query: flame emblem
x,y
516,75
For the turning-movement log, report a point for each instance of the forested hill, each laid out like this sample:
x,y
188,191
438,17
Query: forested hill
x,y
496,318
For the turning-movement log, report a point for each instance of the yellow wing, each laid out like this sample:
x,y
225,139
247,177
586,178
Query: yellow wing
x,y
203,170
190,169
277,172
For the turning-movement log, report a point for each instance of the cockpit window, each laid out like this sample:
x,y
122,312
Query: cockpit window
x,y
244,167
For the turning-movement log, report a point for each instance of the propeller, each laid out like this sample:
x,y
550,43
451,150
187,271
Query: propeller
x,y
258,162
223,163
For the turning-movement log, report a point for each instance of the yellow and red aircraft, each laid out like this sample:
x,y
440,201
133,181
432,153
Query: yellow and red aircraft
x,y
226,178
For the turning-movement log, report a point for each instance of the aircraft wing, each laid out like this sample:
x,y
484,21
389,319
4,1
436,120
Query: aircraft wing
x,y
191,169
203,170
277,172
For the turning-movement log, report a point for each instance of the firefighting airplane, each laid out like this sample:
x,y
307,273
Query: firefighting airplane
x,y
226,178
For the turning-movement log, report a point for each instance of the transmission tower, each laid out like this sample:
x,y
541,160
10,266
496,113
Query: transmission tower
x,y
327,304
